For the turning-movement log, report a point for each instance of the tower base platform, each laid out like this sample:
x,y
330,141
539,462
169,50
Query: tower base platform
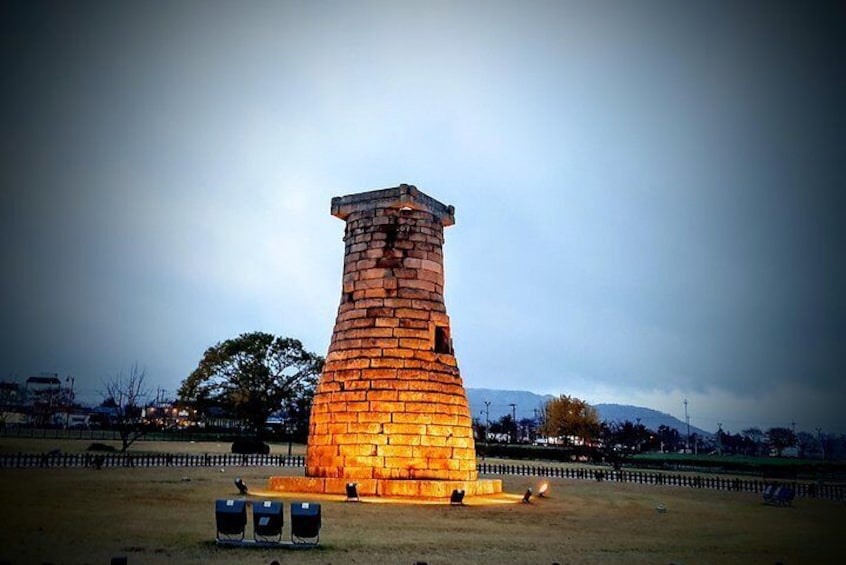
x,y
394,488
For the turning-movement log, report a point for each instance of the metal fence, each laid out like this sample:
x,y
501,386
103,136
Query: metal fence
x,y
105,460
802,489
113,460
222,434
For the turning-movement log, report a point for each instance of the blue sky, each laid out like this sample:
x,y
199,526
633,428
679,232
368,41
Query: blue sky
x,y
648,195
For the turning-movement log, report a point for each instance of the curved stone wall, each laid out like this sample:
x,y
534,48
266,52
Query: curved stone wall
x,y
390,403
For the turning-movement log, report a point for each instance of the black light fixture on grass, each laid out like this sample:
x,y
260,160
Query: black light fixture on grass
x,y
267,520
352,492
305,522
457,497
242,486
231,519
527,496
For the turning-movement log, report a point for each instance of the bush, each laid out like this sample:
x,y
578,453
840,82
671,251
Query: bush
x,y
100,447
250,446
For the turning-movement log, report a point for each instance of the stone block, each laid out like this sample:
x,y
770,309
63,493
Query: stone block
x,y
361,438
340,428
395,451
424,408
364,428
412,429
354,406
342,417
430,452
360,384
297,484
380,342
398,353
363,462
435,430
382,395
380,312
413,418
410,463
388,407
448,420
321,418
422,334
379,417
412,314
429,265
347,396
358,473
415,396
400,488
365,487
406,439
435,441
380,373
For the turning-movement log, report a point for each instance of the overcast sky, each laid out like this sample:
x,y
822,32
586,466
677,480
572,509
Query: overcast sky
x,y
649,195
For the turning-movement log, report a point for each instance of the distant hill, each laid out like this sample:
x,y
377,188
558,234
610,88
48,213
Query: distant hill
x,y
527,402
650,418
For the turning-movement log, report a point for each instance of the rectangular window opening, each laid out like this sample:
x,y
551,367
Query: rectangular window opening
x,y
443,344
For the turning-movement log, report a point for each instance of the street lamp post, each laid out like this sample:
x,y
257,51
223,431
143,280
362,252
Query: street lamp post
x,y
69,402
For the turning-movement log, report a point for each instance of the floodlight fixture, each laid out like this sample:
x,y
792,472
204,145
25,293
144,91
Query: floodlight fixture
x,y
242,486
527,496
543,489
352,492
305,522
268,520
457,497
231,519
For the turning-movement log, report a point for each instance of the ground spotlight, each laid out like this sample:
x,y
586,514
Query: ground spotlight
x,y
457,497
242,486
352,492
527,496
543,489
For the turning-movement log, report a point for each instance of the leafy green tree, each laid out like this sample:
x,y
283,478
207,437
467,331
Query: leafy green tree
x,y
568,416
670,438
780,438
504,426
755,441
252,376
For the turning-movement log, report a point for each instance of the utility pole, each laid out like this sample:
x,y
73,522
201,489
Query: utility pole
x,y
687,419
719,438
514,422
487,419
69,400
637,434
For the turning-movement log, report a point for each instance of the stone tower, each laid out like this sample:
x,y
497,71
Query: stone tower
x,y
390,403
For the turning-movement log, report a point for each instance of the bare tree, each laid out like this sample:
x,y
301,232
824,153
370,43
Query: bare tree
x,y
125,394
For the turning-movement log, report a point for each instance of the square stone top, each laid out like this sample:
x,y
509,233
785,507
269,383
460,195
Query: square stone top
x,y
402,196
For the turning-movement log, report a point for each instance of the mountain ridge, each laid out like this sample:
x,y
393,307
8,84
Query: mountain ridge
x,y
528,404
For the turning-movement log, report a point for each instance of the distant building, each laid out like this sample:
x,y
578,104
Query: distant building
x,y
10,394
36,386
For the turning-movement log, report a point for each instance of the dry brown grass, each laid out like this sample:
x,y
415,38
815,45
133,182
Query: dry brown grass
x,y
154,516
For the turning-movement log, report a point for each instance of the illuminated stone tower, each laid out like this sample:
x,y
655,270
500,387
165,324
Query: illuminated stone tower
x,y
390,404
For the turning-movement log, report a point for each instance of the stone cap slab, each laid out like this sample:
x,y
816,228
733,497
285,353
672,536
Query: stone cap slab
x,y
402,196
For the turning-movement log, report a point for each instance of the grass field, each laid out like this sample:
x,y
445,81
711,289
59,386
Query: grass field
x,y
166,515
